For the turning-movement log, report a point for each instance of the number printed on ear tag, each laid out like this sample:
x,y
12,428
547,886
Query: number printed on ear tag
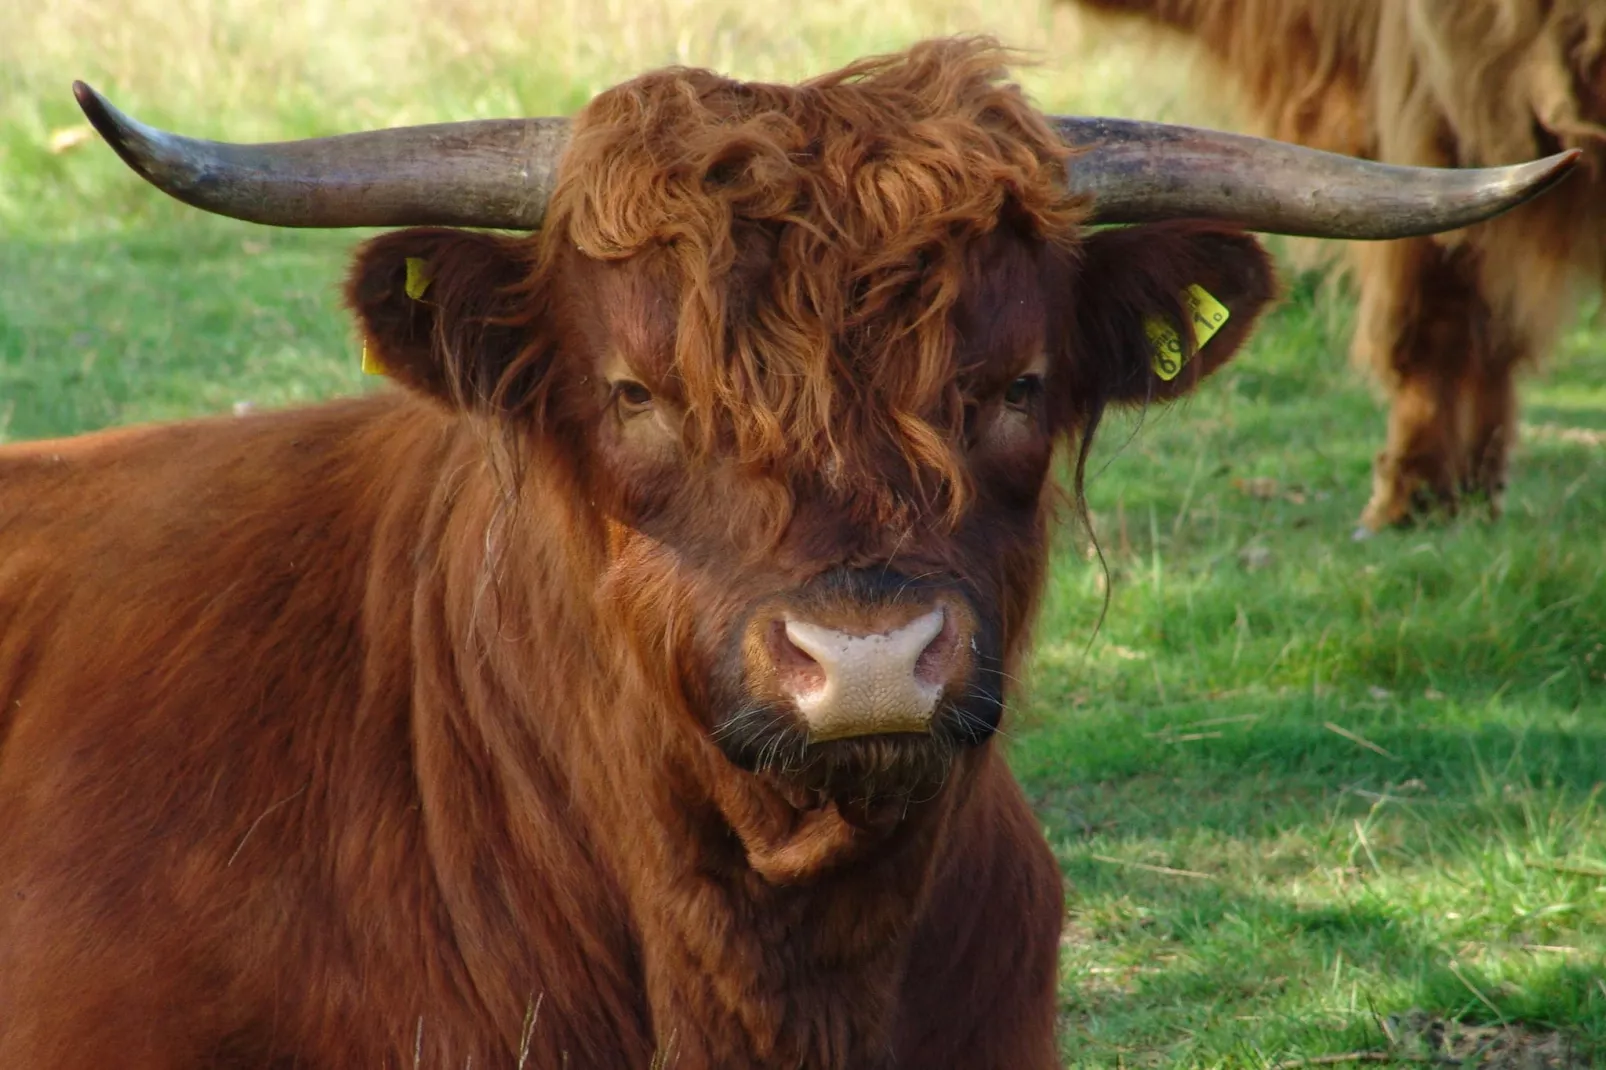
x,y
1208,316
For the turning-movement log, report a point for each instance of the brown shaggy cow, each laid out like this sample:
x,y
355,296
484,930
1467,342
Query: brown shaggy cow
x,y
620,692
1443,323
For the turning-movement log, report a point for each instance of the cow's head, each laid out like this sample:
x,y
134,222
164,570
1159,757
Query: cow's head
x,y
807,352
811,350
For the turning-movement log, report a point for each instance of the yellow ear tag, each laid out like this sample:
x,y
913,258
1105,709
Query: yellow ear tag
x,y
417,278
1208,316
417,283
370,363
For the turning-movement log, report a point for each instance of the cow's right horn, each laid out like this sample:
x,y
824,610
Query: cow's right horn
x,y
1139,172
485,173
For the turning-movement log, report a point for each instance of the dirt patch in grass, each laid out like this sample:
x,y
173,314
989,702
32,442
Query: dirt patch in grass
x,y
1419,1038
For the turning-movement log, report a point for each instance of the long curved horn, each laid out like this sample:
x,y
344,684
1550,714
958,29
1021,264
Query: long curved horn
x,y
500,173
1140,172
485,173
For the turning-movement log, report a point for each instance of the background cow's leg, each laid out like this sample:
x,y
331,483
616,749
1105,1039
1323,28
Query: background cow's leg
x,y
1490,399
981,988
1414,470
1425,330
1530,270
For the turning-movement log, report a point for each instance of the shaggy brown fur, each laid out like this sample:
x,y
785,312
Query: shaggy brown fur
x,y
415,730
1444,322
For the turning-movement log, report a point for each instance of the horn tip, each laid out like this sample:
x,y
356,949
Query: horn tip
x,y
1548,172
89,100
101,115
1562,163
123,134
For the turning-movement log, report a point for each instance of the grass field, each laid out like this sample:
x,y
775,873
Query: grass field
x,y
1314,797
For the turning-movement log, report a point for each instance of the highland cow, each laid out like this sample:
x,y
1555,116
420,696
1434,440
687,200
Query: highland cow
x,y
620,691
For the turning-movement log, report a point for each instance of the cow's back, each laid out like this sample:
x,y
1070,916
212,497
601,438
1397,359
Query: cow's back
x,y
185,621
244,804
1302,67
140,556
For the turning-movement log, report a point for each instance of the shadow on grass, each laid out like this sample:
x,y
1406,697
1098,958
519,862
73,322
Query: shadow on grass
x,y
1277,889
1370,975
1312,981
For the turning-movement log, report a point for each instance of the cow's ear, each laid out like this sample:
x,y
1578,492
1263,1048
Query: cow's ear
x,y
1145,294
445,312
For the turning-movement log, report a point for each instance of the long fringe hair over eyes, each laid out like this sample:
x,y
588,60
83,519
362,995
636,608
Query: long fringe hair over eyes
x,y
868,187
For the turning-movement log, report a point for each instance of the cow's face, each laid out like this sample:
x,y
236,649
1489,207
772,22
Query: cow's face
x,y
846,608
810,399
836,571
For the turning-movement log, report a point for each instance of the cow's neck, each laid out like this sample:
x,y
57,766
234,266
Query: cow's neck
x,y
773,932
776,935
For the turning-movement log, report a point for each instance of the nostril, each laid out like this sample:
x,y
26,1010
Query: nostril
x,y
795,668
935,664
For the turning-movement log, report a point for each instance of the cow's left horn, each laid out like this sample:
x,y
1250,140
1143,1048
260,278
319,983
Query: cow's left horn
x,y
1139,172
486,173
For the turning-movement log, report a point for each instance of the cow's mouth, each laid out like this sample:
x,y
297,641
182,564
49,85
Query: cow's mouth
x,y
770,740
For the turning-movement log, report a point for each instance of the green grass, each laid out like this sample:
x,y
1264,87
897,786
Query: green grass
x,y
1301,786
1378,763
153,323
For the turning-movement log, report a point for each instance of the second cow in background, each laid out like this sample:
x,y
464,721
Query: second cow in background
x,y
1444,321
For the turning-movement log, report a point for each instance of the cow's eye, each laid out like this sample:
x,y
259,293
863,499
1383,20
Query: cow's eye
x,y
631,396
1023,391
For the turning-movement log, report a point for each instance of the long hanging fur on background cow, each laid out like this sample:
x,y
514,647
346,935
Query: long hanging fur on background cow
x,y
1444,323
449,727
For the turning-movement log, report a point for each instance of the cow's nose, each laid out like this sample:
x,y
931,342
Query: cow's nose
x,y
856,685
